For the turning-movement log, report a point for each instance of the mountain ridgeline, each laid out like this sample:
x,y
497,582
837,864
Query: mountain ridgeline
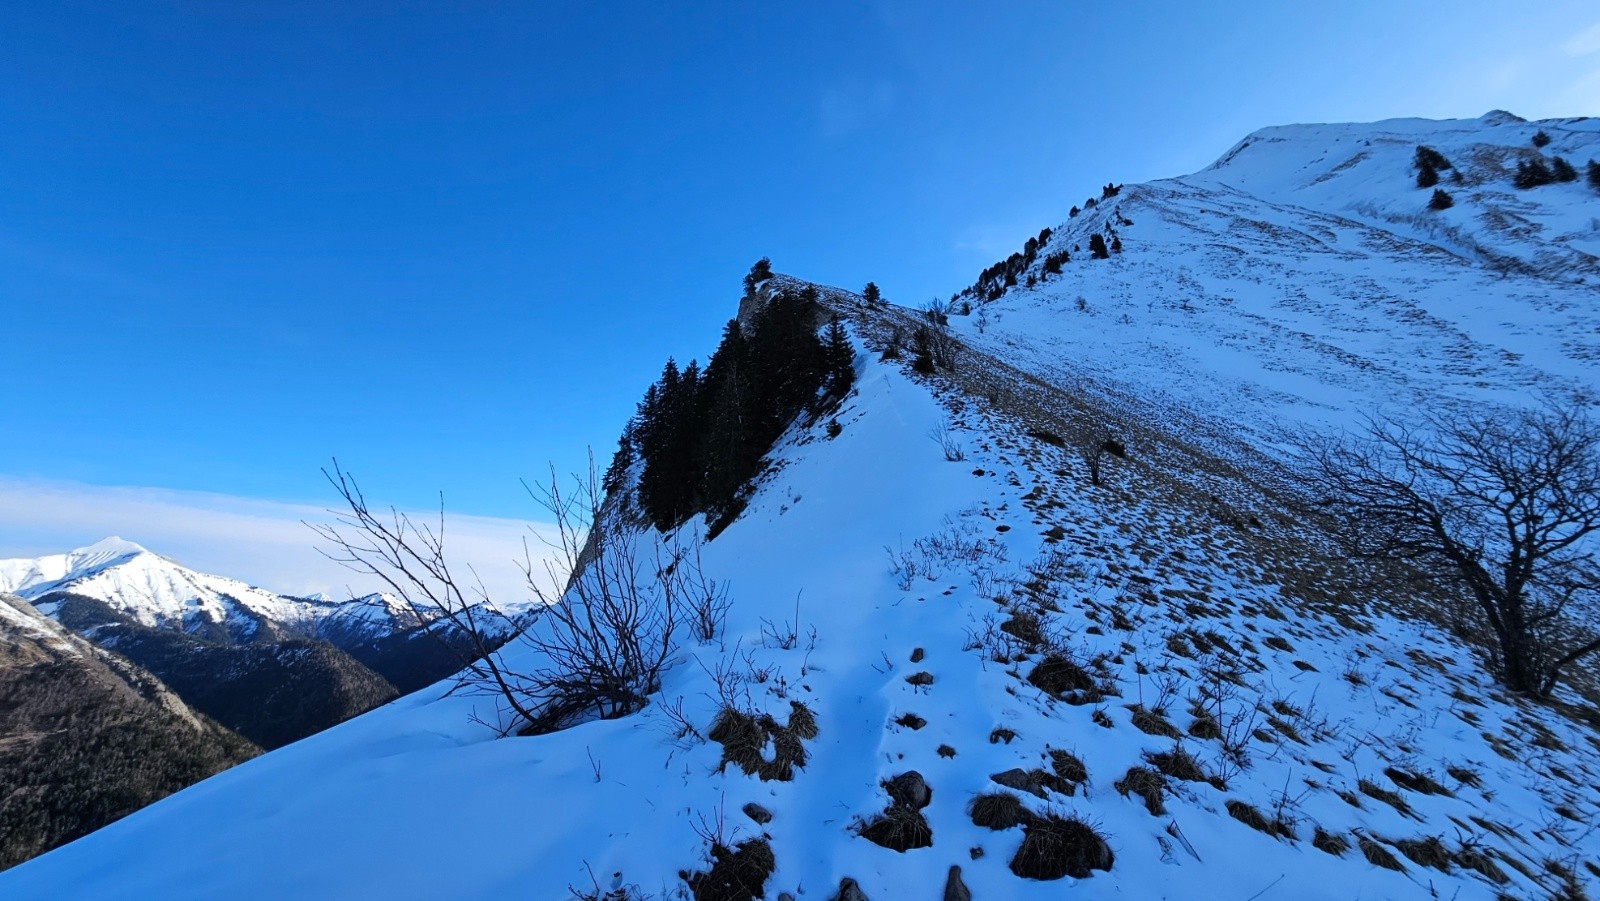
x,y
700,435
270,692
1012,661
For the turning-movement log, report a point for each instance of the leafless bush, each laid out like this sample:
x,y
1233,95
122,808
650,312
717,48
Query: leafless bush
x,y
1503,504
947,441
610,612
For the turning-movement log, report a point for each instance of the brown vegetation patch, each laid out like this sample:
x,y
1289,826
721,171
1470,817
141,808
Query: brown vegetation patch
x,y
1378,855
1374,790
1148,784
1427,852
1068,766
1053,847
1330,842
737,874
898,828
1258,821
1421,783
998,810
1153,722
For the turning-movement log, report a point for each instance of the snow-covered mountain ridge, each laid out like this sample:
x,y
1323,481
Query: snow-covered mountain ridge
x,y
1174,658
156,591
1303,280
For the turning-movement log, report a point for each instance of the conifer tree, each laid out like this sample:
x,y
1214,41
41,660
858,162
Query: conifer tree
x,y
1441,200
1540,139
840,360
1562,171
759,272
1594,174
871,294
1097,247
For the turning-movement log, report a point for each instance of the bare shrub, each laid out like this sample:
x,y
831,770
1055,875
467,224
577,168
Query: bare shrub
x,y
1503,504
610,612
948,442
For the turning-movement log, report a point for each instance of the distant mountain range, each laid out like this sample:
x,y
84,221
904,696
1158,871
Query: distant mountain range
x,y
125,676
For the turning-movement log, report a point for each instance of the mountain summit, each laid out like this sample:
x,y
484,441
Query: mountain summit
x,y
1036,602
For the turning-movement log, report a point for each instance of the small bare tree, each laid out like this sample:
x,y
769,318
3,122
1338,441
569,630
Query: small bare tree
x,y
1504,504
409,557
609,610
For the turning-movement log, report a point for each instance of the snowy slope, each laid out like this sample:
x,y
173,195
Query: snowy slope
x,y
1381,760
528,817
1301,280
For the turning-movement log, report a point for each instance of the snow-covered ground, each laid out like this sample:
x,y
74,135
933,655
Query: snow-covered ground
x,y
415,801
1301,279
1203,617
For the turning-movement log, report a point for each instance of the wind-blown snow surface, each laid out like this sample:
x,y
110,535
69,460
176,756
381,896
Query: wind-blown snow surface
x,y
1302,280
415,801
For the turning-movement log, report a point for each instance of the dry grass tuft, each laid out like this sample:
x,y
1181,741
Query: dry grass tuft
x,y
1427,852
1053,847
1374,790
899,828
1378,855
1421,783
1068,766
1258,821
1205,726
911,721
745,737
1179,764
1062,677
1330,842
1153,722
802,722
998,810
1471,857
737,874
1148,784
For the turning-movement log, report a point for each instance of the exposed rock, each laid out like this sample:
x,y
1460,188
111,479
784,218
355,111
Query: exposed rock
x,y
1034,782
954,888
758,813
910,790
849,891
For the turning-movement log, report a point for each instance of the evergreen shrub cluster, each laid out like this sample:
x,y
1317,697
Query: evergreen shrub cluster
x,y
701,434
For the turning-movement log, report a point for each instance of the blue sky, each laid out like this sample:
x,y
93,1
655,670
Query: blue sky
x,y
449,243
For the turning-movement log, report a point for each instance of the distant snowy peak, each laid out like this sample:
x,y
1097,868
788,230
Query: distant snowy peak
x,y
1368,172
20,575
156,591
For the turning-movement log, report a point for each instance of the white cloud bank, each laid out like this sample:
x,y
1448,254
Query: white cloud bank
x,y
265,543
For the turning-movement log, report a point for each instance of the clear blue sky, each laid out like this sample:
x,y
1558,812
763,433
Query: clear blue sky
x,y
449,242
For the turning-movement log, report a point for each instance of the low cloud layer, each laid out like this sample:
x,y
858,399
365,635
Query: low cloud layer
x,y
265,543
